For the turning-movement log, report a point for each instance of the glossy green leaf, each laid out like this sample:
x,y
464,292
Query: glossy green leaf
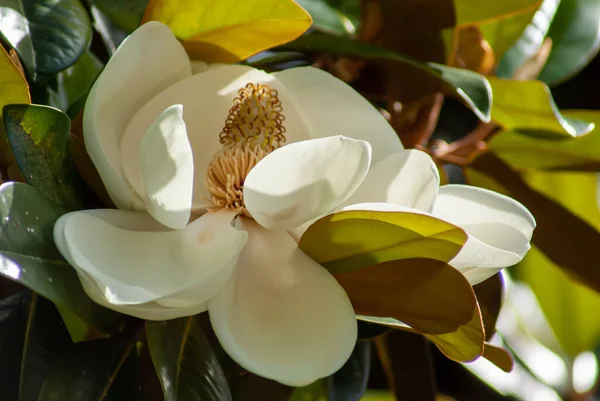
x,y
39,139
528,105
529,42
351,240
32,339
126,14
472,88
539,150
72,85
28,254
429,295
98,370
187,366
575,34
350,8
350,382
326,18
49,35
230,30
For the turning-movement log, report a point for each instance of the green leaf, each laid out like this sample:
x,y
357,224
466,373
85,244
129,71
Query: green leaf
x,y
351,240
33,338
326,18
474,89
98,370
230,30
476,11
528,105
126,14
28,254
49,35
529,42
187,366
73,84
575,34
564,237
350,382
312,392
39,138
539,150
490,294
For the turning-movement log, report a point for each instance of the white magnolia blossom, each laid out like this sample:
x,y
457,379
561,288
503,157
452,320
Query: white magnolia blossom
x,y
217,172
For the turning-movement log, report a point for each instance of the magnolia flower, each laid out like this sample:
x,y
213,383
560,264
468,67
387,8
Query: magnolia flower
x,y
217,173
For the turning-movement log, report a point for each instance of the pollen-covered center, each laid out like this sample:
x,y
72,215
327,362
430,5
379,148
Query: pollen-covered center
x,y
253,129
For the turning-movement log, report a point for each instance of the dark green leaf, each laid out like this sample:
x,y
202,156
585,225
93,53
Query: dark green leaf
x,y
326,18
490,294
28,254
73,84
127,14
473,88
575,34
32,338
99,370
49,35
39,138
187,366
350,382
529,43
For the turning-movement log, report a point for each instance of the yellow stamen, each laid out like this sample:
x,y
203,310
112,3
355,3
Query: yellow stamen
x,y
253,129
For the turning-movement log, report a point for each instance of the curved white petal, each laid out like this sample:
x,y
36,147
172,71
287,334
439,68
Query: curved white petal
x,y
305,180
282,315
166,167
207,98
332,107
499,228
132,267
148,61
409,178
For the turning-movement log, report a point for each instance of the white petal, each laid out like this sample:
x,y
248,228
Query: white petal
x,y
132,267
148,61
332,107
282,315
499,228
409,178
198,66
206,98
167,169
305,180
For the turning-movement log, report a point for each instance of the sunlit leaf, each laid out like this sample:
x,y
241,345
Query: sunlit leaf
x,y
351,240
28,254
476,11
38,136
33,338
575,34
230,30
543,151
528,105
96,370
565,238
472,88
429,295
187,366
49,35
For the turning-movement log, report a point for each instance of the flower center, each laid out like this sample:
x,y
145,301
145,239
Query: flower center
x,y
253,129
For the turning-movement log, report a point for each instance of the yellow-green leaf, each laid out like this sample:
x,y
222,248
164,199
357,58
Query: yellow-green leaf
x,y
477,11
528,105
521,150
13,89
499,357
230,30
429,295
351,240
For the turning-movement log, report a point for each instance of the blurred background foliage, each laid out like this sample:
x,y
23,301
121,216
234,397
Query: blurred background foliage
x,y
502,94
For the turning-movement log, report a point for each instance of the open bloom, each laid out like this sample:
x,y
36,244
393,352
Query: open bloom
x,y
217,174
